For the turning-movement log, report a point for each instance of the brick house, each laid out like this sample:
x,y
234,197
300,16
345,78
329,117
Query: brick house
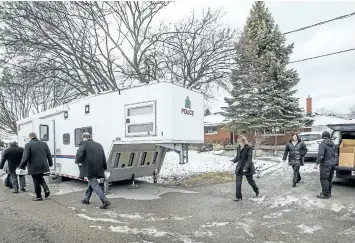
x,y
215,131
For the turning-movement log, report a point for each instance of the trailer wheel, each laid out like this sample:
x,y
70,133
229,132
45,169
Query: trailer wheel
x,y
155,176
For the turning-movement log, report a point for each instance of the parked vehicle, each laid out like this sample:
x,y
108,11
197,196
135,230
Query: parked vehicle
x,y
346,162
311,139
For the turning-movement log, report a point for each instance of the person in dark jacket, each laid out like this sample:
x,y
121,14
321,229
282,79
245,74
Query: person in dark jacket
x,y
13,157
92,161
245,166
37,157
296,150
326,159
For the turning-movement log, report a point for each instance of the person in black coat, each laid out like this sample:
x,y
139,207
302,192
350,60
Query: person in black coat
x,y
92,163
13,157
37,157
245,166
326,159
296,150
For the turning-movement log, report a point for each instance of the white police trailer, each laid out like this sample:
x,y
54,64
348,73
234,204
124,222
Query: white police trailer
x,y
136,126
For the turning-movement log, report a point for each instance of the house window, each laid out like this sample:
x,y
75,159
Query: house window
x,y
79,133
66,114
66,138
211,130
44,132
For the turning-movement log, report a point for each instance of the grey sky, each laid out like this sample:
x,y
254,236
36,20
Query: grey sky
x,y
329,80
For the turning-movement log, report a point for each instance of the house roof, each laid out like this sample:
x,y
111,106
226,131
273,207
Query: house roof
x,y
326,120
215,119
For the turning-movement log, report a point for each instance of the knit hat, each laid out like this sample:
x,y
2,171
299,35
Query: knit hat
x,y
325,135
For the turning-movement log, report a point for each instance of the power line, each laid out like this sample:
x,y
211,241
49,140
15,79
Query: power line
x,y
321,23
324,55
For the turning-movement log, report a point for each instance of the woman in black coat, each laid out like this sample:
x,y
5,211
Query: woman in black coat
x,y
245,166
296,150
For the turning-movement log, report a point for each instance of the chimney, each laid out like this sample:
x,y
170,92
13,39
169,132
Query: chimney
x,y
309,106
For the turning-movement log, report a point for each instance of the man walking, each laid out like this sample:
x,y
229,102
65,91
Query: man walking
x,y
327,161
37,157
92,161
13,157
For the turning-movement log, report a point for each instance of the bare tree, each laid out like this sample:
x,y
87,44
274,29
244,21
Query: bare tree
x,y
14,102
200,51
327,112
126,30
63,37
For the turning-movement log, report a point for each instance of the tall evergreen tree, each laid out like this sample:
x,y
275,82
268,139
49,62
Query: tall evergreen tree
x,y
263,87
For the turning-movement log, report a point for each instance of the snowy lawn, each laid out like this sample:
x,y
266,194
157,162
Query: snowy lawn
x,y
209,164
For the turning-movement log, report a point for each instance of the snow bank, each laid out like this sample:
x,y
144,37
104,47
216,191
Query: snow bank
x,y
200,163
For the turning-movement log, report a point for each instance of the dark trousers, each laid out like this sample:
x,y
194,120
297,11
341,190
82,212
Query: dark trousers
x,y
326,178
38,182
14,181
239,181
8,182
93,185
296,174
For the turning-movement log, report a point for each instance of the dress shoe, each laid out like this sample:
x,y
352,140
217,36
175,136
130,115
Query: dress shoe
x,y
105,205
46,194
322,196
37,199
85,202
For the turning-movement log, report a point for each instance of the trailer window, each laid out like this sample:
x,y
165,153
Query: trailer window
x,y
144,156
155,157
142,110
79,133
139,128
44,132
131,159
66,138
117,160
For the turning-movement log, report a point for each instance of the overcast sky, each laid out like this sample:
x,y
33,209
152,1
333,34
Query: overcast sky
x,y
330,81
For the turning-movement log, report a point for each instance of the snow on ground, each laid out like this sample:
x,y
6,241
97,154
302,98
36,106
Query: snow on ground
x,y
201,163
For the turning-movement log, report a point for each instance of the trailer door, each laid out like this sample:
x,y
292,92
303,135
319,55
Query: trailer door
x,y
45,131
